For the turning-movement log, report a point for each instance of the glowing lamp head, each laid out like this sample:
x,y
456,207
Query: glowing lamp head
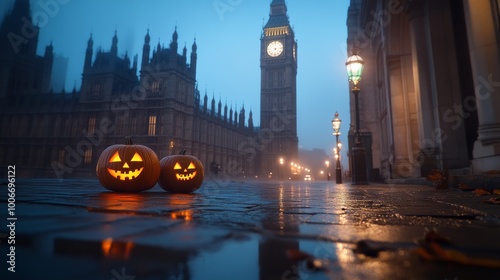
x,y
354,65
336,122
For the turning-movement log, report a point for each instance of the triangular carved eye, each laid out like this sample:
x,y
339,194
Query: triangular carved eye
x,y
115,158
136,157
177,166
191,166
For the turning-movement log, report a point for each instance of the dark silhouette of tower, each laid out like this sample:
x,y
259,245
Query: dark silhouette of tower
x,y
22,71
278,103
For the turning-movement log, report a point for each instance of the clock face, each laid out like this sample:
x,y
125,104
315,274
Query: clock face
x,y
275,48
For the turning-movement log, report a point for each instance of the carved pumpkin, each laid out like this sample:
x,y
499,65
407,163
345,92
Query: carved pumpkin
x,y
128,168
181,173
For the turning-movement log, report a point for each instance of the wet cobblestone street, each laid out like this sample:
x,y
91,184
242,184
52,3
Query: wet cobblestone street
x,y
75,229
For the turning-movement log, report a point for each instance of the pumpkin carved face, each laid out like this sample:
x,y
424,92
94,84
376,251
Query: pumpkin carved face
x,y
185,174
128,168
181,173
123,171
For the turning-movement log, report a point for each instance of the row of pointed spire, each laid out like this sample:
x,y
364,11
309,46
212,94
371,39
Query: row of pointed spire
x,y
238,118
146,48
173,43
159,55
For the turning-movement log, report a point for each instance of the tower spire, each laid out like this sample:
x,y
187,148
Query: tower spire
x,y
145,51
278,15
173,44
194,57
114,45
88,54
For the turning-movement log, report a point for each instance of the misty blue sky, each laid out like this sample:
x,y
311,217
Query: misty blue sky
x,y
228,48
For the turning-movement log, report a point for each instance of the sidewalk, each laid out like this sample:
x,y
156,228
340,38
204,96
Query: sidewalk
x,y
75,229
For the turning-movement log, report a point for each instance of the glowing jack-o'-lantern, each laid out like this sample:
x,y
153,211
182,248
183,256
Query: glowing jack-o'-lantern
x,y
128,168
181,173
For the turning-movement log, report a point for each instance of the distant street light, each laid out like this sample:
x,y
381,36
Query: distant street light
x,y
354,65
336,122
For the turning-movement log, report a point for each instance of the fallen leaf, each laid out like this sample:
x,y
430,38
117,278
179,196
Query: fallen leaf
x,y
496,191
480,192
433,236
493,200
431,250
438,178
435,252
435,175
421,252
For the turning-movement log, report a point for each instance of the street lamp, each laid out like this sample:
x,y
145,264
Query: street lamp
x,y
327,164
354,65
336,122
339,146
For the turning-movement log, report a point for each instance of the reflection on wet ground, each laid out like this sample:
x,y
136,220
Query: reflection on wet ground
x,y
248,230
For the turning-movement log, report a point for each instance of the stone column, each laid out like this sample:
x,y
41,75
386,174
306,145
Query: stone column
x,y
483,24
403,166
424,90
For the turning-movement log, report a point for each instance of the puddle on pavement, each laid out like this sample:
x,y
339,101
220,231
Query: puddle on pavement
x,y
257,257
237,259
241,256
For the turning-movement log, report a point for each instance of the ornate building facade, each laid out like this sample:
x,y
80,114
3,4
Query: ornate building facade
x,y
429,93
61,135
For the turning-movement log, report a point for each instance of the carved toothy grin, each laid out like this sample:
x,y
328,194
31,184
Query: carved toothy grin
x,y
123,175
185,177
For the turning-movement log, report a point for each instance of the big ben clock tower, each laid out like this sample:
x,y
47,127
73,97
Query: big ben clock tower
x,y
278,96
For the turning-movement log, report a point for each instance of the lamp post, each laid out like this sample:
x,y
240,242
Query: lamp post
x,y
282,161
354,65
336,122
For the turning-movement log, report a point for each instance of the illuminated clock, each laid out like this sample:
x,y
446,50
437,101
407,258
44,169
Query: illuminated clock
x,y
275,48
294,53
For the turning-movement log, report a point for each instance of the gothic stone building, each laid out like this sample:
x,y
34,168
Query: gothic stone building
x,y
429,94
61,135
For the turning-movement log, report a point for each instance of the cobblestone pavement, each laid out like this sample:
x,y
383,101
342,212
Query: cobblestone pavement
x,y
75,229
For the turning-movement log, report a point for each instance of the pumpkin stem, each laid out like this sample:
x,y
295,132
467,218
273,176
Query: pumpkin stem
x,y
128,140
182,152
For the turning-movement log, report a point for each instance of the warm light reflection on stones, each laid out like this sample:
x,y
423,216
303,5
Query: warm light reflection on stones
x,y
281,214
344,253
116,249
181,201
121,201
186,215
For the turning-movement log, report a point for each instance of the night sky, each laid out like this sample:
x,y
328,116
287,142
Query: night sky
x,y
228,34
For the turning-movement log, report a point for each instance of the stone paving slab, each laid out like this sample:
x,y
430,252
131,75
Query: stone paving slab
x,y
75,229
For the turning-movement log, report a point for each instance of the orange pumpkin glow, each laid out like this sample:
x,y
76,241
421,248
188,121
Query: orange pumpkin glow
x,y
128,168
181,173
